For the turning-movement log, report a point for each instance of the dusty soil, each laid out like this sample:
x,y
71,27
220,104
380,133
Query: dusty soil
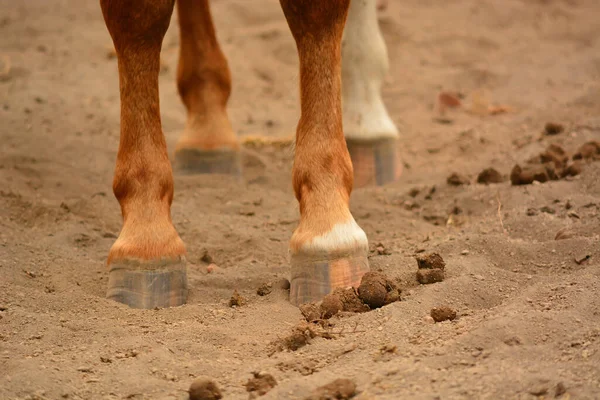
x,y
528,314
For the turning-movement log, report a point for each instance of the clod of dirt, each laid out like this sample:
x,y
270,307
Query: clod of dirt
x,y
260,384
350,300
555,154
331,305
490,175
526,176
204,389
283,284
443,313
428,276
531,212
382,250
573,169
310,311
560,389
264,289
430,261
236,300
589,150
206,257
376,290
300,337
548,210
457,180
553,128
564,233
340,389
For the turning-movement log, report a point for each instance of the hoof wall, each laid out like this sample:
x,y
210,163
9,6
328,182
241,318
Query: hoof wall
x,y
375,163
149,284
313,280
195,161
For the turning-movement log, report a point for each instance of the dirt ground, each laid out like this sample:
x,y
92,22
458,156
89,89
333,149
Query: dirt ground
x,y
528,314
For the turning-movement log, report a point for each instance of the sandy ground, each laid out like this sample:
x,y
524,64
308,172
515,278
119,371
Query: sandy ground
x,y
528,314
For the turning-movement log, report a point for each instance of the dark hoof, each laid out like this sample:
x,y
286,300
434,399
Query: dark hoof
x,y
195,161
375,163
148,284
313,280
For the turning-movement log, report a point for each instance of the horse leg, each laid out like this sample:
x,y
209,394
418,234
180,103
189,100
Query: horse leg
x,y
328,248
370,133
147,261
208,143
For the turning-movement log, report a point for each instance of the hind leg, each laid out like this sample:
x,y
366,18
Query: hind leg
x,y
147,261
370,133
208,143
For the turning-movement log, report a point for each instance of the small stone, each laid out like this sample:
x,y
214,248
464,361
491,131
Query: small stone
x,y
464,253
204,389
560,389
443,313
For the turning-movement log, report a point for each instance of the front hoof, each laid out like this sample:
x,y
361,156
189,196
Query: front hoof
x,y
312,280
375,162
148,284
191,161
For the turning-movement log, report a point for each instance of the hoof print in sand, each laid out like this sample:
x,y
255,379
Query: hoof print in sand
x,y
431,268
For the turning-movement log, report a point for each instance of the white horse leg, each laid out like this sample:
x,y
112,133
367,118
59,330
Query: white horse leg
x,y
370,133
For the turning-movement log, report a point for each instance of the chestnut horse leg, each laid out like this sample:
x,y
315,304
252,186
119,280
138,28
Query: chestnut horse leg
x,y
328,249
147,261
370,134
208,143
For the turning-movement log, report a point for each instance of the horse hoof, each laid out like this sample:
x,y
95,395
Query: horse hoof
x,y
313,280
148,284
195,161
375,162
